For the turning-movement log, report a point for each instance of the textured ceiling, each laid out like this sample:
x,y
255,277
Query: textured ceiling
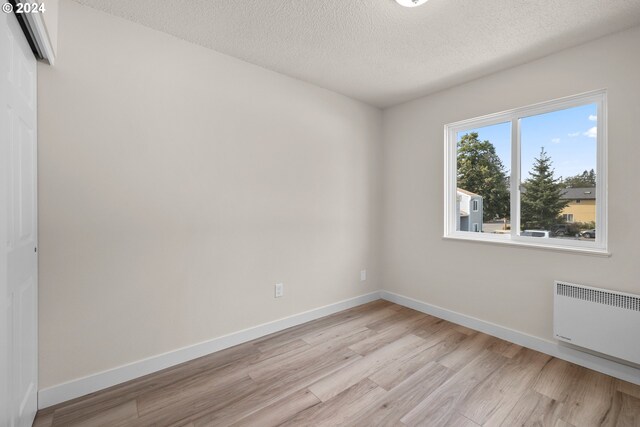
x,y
376,50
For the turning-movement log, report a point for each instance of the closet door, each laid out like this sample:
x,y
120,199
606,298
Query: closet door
x,y
18,227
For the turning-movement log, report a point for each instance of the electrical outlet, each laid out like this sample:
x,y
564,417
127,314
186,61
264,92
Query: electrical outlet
x,y
363,275
279,288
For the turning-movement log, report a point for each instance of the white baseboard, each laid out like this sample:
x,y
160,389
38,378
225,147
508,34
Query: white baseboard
x,y
82,386
79,387
599,364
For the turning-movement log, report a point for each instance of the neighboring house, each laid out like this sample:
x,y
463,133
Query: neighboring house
x,y
468,211
582,204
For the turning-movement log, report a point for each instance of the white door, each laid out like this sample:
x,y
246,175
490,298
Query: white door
x,y
18,227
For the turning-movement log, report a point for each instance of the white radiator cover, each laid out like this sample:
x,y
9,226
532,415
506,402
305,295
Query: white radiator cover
x,y
598,319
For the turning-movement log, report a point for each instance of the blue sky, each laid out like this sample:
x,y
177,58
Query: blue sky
x,y
568,136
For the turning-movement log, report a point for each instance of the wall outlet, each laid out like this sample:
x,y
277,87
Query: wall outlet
x,y
279,290
363,275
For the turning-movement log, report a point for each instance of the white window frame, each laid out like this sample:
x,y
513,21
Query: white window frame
x,y
599,247
568,217
474,204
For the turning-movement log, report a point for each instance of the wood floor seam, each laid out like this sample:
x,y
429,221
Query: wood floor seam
x,y
310,391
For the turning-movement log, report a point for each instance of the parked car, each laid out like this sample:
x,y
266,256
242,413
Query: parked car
x,y
535,233
563,230
589,234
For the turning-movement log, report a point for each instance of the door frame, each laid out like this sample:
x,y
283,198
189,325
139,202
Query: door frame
x,y
35,30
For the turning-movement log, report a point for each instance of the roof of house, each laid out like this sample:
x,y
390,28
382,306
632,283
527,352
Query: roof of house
x,y
468,193
579,193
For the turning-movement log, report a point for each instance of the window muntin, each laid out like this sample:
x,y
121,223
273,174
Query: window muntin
x,y
573,133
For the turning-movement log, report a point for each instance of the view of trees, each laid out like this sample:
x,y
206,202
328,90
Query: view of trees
x,y
481,171
541,202
585,179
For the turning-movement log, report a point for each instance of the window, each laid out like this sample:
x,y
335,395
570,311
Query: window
x,y
517,176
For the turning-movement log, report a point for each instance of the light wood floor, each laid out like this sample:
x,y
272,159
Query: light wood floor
x,y
377,364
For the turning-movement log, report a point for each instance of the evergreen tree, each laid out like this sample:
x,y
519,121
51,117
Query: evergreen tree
x,y
585,179
541,202
481,171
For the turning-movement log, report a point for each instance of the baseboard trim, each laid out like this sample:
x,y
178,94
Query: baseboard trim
x,y
82,386
599,364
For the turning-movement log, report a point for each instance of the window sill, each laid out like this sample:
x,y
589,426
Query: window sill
x,y
599,252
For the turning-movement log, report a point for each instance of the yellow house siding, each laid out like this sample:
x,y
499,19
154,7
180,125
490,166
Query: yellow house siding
x,y
585,211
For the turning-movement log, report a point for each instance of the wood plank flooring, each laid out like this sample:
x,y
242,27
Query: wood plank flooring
x,y
378,364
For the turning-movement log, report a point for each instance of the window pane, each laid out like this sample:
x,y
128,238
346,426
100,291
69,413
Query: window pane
x,y
558,174
483,167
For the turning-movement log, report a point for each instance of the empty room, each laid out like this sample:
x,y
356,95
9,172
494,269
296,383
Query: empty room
x,y
319,213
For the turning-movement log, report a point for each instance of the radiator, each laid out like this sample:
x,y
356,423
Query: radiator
x,y
598,319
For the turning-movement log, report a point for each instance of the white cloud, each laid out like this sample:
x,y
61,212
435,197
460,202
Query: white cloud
x,y
592,133
593,118
574,134
556,140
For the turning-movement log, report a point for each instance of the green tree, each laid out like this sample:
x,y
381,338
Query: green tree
x,y
585,179
541,202
481,171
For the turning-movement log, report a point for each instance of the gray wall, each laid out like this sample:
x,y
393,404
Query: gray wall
x,y
511,287
178,185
